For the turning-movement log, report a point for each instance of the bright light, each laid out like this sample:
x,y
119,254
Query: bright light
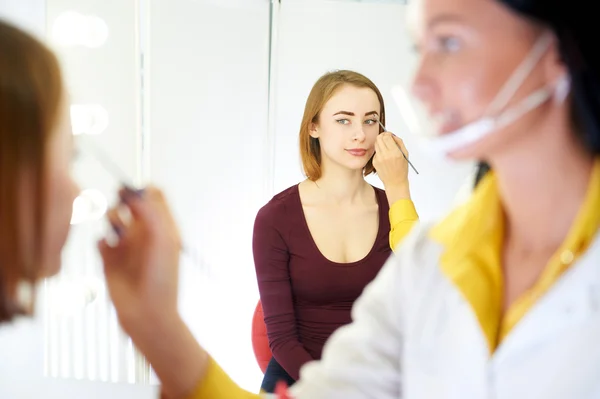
x,y
74,29
67,28
90,205
68,297
88,119
97,33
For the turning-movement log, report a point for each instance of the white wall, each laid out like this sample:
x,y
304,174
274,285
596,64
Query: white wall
x,y
208,68
28,14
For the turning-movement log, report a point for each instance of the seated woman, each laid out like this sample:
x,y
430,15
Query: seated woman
x,y
318,243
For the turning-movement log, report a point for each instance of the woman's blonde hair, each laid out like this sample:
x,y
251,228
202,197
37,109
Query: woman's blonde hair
x,y
322,91
31,91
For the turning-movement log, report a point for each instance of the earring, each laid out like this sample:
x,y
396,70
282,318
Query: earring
x,y
562,89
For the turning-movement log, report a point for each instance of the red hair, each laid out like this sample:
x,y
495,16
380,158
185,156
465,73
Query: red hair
x,y
31,91
322,91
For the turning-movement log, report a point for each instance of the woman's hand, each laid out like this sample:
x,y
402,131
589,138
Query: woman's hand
x,y
142,273
391,166
142,268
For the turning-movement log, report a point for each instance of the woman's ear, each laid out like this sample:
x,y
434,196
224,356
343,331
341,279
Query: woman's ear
x,y
313,131
562,88
557,74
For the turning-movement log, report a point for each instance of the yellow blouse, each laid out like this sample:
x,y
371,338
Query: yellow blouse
x,y
403,217
472,236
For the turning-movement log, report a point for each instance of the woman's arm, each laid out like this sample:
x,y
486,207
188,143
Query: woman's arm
x,y
271,260
403,216
216,384
392,169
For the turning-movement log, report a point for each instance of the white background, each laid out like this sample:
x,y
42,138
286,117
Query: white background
x,y
208,92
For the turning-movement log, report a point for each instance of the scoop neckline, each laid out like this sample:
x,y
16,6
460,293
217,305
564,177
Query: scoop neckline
x,y
314,244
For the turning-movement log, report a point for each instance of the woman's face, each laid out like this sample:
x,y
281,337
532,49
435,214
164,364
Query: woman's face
x,y
61,193
348,127
468,50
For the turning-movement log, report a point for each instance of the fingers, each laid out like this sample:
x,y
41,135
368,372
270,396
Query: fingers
x,y
400,143
112,247
104,248
388,142
382,140
148,206
376,159
389,146
110,254
378,146
151,212
116,221
141,219
137,201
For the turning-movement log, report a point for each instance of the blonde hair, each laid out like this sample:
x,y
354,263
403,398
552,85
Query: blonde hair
x,y
31,91
322,91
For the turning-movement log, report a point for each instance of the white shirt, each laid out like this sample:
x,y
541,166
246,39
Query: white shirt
x,y
415,337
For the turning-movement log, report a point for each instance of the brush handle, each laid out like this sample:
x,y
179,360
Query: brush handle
x,y
397,145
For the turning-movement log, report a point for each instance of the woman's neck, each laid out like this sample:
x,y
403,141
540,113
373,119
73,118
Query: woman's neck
x,y
343,186
542,185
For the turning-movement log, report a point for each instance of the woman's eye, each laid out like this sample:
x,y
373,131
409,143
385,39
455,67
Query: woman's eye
x,y
449,44
370,121
343,121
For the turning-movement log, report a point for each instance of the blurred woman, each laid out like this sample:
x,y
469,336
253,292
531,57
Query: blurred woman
x,y
36,198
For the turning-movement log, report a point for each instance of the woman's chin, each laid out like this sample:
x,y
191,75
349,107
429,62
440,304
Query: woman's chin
x,y
359,163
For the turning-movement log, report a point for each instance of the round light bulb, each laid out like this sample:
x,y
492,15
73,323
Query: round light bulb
x,y
96,32
89,205
67,28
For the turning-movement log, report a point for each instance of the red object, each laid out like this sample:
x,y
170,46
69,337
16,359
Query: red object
x,y
281,391
260,341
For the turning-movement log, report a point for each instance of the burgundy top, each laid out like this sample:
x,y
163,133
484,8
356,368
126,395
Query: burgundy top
x,y
305,296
